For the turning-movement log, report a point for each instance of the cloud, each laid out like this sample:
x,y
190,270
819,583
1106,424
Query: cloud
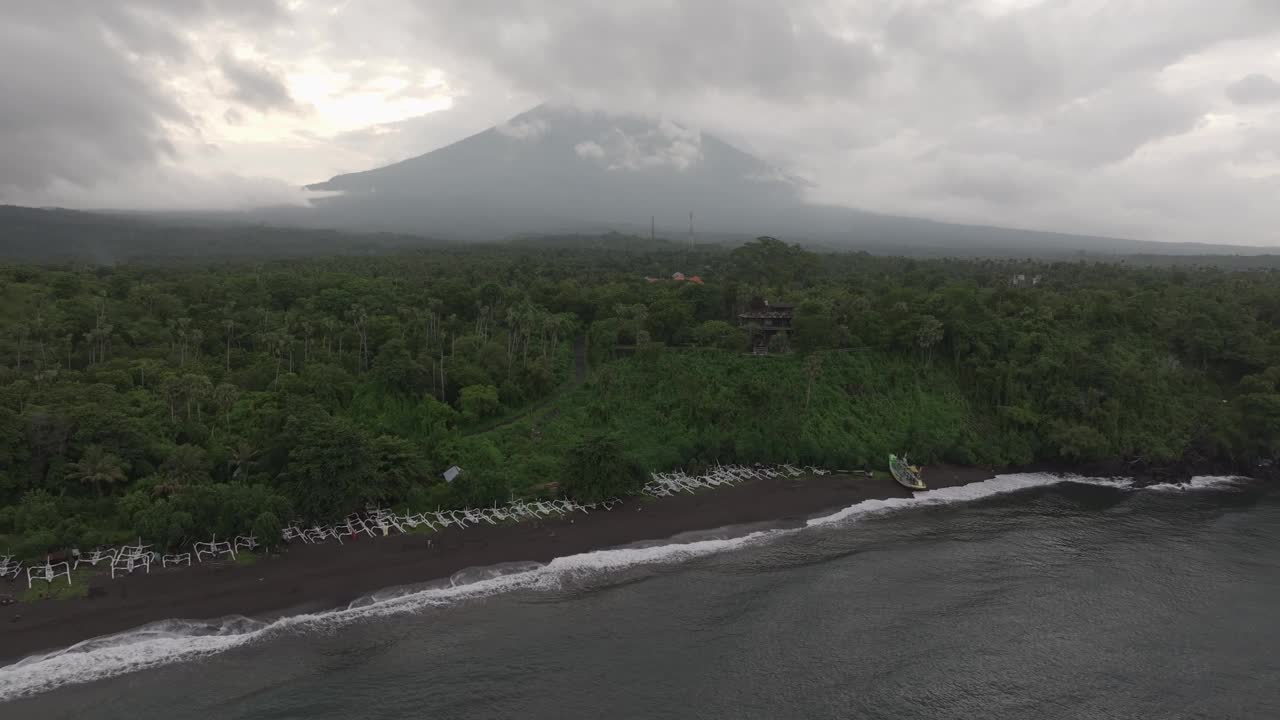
x,y
580,49
1072,115
1091,130
1254,89
86,96
523,129
659,149
170,187
664,145
589,149
996,180
78,112
255,86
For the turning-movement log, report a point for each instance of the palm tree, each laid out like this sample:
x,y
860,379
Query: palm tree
x,y
278,342
434,305
173,389
186,466
929,332
196,338
97,467
359,318
225,396
197,388
229,325
330,327
23,332
240,457
181,329
634,316
308,330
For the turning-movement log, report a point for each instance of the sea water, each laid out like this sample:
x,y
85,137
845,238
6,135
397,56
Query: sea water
x,y
1023,596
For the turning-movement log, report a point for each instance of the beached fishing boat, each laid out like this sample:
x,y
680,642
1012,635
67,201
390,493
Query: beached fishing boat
x,y
907,475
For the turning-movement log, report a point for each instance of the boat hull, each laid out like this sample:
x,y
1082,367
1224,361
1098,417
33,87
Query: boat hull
x,y
905,475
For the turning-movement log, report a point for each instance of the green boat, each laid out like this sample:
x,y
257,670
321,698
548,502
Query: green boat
x,y
907,475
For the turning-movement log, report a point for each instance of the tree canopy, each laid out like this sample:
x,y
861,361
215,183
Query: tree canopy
x,y
229,396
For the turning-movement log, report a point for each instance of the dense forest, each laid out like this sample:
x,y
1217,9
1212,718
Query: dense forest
x,y
174,401
56,235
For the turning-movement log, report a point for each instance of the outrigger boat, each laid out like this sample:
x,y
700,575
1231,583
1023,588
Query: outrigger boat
x,y
907,475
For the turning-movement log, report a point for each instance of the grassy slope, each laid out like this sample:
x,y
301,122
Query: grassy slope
x,y
677,409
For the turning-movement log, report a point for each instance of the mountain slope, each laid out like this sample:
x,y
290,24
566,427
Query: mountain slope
x,y
557,169
55,235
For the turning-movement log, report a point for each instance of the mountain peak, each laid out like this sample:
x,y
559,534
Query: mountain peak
x,y
558,140
569,165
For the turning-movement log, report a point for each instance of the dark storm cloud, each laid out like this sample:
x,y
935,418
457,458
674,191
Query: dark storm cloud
x,y
1102,128
1010,106
951,50
760,47
415,135
1028,61
1254,89
1110,117
998,180
80,113
80,79
254,85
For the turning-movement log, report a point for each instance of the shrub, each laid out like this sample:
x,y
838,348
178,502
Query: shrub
x,y
597,469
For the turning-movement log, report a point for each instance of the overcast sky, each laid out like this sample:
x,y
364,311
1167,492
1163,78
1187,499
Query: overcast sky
x,y
1151,119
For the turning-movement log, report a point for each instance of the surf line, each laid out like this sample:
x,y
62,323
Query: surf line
x,y
173,641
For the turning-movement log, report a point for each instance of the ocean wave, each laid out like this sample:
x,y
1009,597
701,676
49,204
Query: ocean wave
x,y
998,485
147,647
1201,482
175,641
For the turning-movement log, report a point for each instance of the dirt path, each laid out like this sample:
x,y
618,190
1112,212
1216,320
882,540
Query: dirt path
x,y
577,378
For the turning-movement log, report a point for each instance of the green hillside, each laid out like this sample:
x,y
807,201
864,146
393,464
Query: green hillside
x,y
176,401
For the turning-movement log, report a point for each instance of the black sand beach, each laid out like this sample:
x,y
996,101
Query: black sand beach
x,y
317,577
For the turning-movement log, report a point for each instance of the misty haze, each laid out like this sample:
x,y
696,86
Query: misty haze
x,y
637,359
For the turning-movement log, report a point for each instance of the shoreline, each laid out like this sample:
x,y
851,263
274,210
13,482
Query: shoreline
x,y
308,578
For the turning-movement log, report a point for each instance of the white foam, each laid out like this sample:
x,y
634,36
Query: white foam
x,y
1200,482
106,657
175,641
998,485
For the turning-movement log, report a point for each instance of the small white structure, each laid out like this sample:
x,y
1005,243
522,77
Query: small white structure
x,y
95,557
452,473
213,548
317,534
386,523
247,542
343,531
9,568
127,563
352,527
179,559
133,550
48,572
416,520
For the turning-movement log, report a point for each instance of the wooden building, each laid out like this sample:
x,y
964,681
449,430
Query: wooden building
x,y
764,320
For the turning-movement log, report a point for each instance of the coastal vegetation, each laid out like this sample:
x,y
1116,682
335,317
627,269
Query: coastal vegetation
x,y
232,396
